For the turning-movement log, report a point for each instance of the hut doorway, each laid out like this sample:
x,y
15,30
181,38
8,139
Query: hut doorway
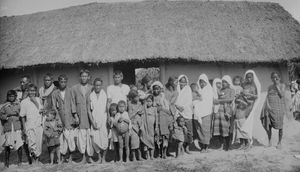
x,y
133,71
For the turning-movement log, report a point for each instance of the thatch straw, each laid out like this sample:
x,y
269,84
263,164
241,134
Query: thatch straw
x,y
99,32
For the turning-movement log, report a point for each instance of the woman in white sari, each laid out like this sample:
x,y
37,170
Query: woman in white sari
x,y
98,118
246,105
203,111
184,106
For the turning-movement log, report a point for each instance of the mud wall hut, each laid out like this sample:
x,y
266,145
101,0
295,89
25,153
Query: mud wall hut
x,y
187,37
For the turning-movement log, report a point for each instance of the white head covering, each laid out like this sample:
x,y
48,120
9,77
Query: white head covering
x,y
158,83
254,116
228,79
255,80
205,79
205,107
216,80
185,98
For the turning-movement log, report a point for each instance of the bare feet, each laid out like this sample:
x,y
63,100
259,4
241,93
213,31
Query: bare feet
x,y
187,151
242,146
204,151
279,146
270,144
99,160
83,161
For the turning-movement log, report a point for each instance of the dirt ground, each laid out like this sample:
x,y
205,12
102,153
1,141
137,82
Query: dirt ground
x,y
258,158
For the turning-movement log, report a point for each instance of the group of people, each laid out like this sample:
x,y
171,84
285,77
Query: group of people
x,y
136,121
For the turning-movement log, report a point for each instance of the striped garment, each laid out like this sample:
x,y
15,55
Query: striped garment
x,y
221,121
204,130
276,108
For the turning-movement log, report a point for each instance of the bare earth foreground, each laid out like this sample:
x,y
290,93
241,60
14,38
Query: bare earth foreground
x,y
258,158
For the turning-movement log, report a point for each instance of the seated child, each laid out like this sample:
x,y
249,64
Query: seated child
x,y
179,132
135,112
9,116
52,131
123,125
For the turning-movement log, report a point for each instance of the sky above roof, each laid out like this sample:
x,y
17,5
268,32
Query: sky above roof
x,y
21,7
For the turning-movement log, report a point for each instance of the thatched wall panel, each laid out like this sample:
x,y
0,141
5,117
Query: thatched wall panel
x,y
99,32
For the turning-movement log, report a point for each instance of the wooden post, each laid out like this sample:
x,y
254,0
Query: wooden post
x,y
162,68
110,73
34,78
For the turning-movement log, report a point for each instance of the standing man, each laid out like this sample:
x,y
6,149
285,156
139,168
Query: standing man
x,y
30,113
46,91
118,91
22,90
80,94
63,104
22,93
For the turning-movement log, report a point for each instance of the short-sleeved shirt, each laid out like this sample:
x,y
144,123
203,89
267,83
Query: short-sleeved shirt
x,y
31,112
117,93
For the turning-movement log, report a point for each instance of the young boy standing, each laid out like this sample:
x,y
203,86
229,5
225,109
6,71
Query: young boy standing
x,y
9,116
52,130
80,95
64,106
123,125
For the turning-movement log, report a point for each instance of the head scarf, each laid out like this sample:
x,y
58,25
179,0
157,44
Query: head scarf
x,y
228,79
205,79
205,107
185,98
158,83
216,80
254,116
255,80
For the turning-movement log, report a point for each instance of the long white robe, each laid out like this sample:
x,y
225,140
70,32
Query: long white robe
x,y
98,107
204,107
185,99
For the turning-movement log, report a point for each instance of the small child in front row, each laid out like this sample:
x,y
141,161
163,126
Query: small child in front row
x,y
10,119
135,112
151,127
52,131
123,125
178,135
113,133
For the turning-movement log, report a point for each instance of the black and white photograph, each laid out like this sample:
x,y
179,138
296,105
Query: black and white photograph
x,y
150,85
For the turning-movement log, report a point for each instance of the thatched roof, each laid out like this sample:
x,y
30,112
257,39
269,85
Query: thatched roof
x,y
110,32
